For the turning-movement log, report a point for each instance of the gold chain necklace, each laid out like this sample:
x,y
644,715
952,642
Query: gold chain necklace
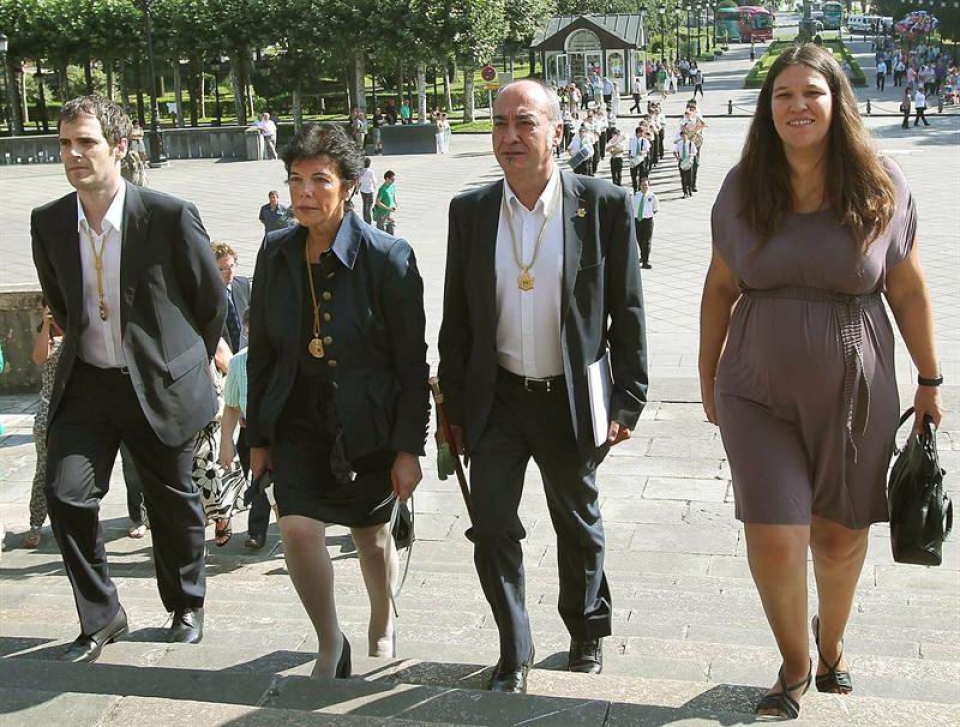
x,y
526,281
315,347
98,266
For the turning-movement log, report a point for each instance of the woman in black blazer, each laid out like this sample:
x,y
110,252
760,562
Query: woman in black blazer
x,y
337,384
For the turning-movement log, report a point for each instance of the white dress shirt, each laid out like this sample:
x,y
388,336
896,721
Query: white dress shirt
x,y
651,205
528,322
101,342
368,182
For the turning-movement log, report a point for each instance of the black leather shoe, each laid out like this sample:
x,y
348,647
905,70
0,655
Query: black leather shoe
x,y
187,626
344,666
88,648
586,656
510,681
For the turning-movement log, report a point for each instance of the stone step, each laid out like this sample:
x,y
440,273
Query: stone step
x,y
424,692
252,644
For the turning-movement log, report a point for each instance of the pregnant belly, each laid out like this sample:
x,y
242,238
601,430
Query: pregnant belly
x,y
781,351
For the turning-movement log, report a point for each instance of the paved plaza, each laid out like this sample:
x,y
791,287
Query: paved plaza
x,y
690,644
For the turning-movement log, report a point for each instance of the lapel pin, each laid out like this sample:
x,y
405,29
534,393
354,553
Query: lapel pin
x,y
581,212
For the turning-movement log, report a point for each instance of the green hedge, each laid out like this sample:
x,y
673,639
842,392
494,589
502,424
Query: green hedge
x,y
758,74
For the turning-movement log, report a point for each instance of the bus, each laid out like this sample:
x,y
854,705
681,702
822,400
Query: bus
x,y
832,15
748,23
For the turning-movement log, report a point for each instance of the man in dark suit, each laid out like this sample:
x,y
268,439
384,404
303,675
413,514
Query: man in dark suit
x,y
128,275
542,282
232,340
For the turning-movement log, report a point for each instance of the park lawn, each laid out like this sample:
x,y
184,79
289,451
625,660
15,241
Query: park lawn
x,y
758,74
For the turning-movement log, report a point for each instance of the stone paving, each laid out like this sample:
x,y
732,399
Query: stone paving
x,y
690,643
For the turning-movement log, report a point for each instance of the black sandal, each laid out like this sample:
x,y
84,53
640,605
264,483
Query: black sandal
x,y
833,682
222,537
781,701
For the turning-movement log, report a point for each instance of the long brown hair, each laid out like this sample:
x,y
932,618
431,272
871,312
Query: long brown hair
x,y
858,188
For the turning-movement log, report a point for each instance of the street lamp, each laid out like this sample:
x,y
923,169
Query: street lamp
x,y
699,11
41,99
3,99
157,156
662,9
216,64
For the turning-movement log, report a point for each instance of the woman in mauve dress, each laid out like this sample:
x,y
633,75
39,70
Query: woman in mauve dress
x,y
809,230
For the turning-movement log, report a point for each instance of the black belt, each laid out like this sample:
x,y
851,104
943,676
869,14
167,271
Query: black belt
x,y
543,386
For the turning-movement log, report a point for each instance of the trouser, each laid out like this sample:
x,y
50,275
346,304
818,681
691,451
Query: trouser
x,y
897,78
645,238
525,424
661,135
387,224
616,170
367,198
920,115
698,89
585,168
602,144
695,171
636,103
906,119
258,518
270,146
881,81
134,484
608,99
594,162
654,150
99,410
686,180
636,174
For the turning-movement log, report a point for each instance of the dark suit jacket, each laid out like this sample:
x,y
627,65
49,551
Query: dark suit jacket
x,y
240,288
601,305
171,304
377,328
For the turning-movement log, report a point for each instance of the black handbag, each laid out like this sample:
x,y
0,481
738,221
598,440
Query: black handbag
x,y
402,528
921,514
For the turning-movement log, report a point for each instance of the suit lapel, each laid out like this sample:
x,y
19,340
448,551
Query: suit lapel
x,y
575,215
73,280
136,221
293,254
486,240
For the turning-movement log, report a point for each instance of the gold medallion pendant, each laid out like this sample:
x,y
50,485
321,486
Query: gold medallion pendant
x,y
525,281
315,347
103,311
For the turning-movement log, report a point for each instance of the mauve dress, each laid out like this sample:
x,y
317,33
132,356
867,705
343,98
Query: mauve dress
x,y
787,386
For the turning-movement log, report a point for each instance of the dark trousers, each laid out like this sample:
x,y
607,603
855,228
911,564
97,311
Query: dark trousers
x,y
698,88
686,179
906,120
99,410
920,115
636,103
660,148
131,478
636,174
616,170
881,81
522,425
586,168
258,519
645,238
367,206
695,170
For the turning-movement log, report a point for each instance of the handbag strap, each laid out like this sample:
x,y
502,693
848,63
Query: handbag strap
x,y
394,516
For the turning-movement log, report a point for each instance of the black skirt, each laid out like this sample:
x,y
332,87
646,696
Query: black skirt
x,y
312,475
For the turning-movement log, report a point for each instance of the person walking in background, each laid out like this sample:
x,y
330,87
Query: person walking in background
x,y
376,136
46,354
581,152
386,205
617,147
134,368
793,333
696,75
268,129
881,75
273,215
906,104
646,204
502,368
638,151
685,152
637,90
358,127
920,106
337,400
368,188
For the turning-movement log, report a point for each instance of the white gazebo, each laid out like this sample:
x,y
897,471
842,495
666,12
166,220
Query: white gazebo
x,y
573,47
